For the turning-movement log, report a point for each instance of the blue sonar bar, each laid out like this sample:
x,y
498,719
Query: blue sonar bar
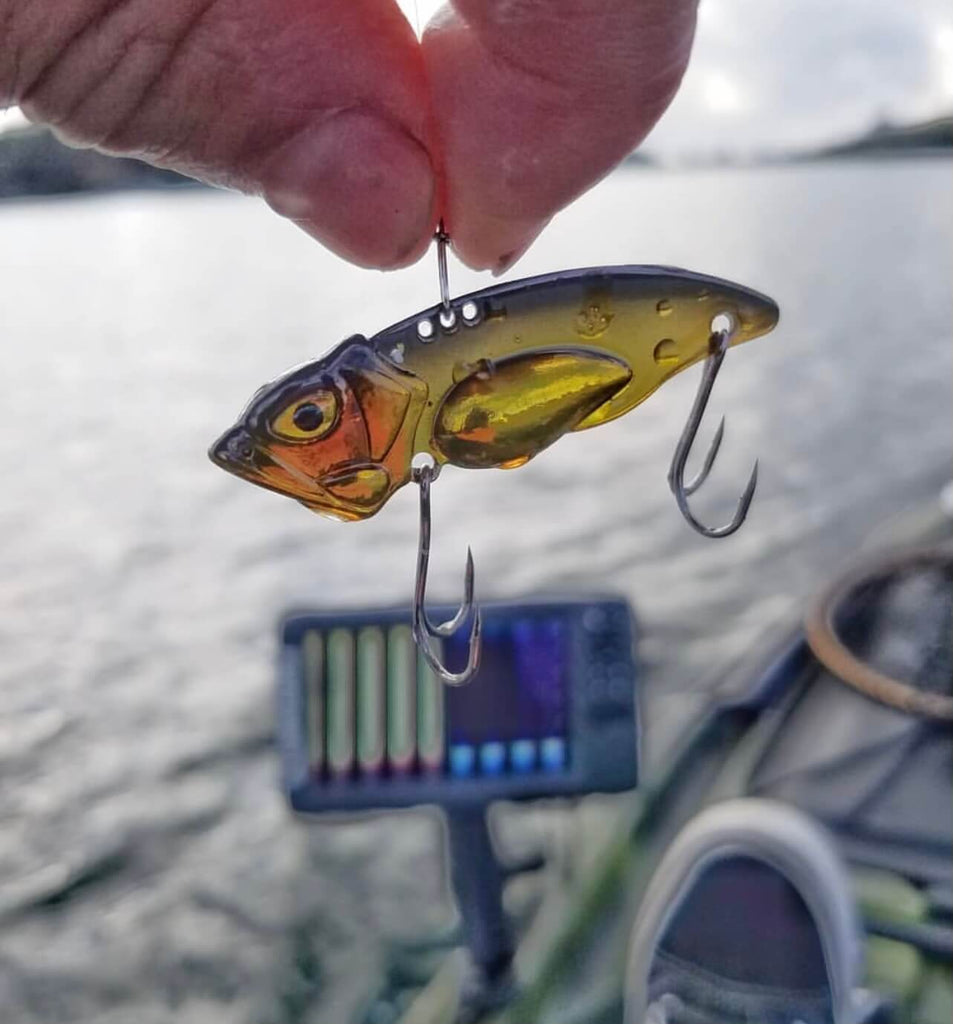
x,y
552,754
522,756
492,758
462,760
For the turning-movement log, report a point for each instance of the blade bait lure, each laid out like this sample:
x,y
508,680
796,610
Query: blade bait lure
x,y
489,380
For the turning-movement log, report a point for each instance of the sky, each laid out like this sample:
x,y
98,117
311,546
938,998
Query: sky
x,y
774,74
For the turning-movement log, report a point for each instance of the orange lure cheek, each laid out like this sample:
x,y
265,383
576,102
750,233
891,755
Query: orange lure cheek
x,y
346,443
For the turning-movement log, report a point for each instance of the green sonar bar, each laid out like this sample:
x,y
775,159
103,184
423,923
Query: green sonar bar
x,y
340,684
312,657
430,725
401,699
371,669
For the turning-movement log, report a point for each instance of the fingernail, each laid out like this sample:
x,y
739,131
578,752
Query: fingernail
x,y
360,184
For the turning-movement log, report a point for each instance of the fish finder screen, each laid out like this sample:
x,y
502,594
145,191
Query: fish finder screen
x,y
513,715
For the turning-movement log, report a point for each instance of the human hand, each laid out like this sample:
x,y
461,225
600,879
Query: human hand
x,y
331,109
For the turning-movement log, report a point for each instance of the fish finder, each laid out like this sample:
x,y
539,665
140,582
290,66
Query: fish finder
x,y
365,724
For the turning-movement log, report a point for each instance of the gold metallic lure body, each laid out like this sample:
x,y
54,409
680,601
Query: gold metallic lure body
x,y
488,382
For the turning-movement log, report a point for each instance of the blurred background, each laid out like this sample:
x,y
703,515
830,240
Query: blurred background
x,y
149,870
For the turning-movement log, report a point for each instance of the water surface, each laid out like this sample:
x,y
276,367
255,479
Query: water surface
x,y
148,869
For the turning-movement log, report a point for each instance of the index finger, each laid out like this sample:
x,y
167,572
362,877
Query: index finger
x,y
536,100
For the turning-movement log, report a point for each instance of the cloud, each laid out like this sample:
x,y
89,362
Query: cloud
x,y
808,71
779,73
419,12
11,119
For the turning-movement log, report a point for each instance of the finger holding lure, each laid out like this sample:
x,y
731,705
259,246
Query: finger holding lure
x,y
489,380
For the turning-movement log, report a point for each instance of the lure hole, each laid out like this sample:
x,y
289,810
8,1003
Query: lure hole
x,y
448,319
723,323
666,352
421,461
470,312
425,330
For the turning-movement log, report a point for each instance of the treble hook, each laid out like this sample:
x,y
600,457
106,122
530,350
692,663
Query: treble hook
x,y
423,629
717,347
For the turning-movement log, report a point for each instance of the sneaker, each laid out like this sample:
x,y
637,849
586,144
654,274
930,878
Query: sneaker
x,y
749,919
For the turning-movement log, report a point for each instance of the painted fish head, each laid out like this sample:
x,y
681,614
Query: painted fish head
x,y
335,434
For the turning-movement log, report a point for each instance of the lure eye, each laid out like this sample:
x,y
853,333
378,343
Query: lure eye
x,y
309,418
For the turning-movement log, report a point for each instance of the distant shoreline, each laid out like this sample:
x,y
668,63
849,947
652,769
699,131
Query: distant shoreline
x,y
189,186
35,165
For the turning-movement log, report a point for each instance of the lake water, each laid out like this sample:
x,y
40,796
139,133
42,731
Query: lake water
x,y
149,871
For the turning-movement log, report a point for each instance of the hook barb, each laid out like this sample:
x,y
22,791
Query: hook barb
x,y
717,347
423,629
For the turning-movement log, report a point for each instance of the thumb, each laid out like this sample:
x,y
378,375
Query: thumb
x,y
318,105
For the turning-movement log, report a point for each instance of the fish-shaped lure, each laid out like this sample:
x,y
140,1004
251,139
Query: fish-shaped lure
x,y
489,382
